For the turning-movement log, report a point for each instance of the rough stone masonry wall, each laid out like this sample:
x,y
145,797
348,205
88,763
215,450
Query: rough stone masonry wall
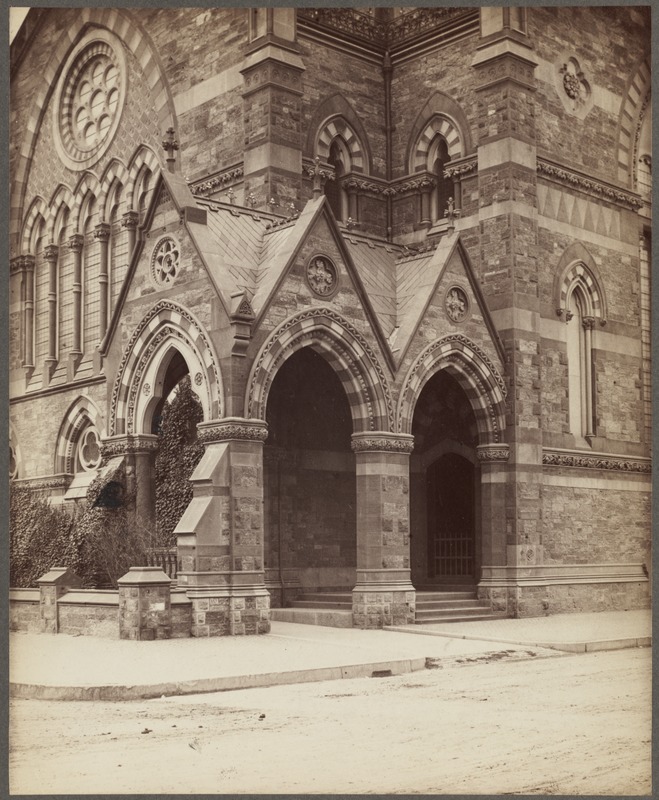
x,y
586,525
611,43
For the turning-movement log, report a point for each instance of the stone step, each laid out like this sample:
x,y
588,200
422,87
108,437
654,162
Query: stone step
x,y
452,611
329,618
440,596
306,603
332,597
458,618
448,604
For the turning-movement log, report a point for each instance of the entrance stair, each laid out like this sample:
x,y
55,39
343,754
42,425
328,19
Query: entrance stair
x,y
434,605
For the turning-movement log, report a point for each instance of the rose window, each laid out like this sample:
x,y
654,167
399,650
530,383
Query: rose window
x,y
322,276
165,262
90,99
96,98
89,450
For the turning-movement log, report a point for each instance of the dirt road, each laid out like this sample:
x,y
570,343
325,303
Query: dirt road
x,y
570,725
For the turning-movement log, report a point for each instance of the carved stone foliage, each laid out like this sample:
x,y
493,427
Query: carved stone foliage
x,y
456,303
322,276
563,175
557,459
381,441
232,428
493,452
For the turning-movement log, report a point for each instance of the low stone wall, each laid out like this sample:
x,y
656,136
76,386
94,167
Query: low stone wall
x,y
89,612
24,614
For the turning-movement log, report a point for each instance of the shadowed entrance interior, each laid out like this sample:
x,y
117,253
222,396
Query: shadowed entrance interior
x,y
309,481
444,508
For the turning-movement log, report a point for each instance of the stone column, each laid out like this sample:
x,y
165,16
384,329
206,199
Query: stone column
x,y
50,256
52,586
130,221
493,460
102,233
145,611
384,594
28,277
76,243
220,536
138,451
588,325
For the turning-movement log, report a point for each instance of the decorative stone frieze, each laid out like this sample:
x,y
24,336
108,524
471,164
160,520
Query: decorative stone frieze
x,y
569,177
232,428
461,168
382,441
51,483
125,445
217,181
493,452
553,458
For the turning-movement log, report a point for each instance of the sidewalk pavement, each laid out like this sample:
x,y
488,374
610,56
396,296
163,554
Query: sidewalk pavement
x,y
62,667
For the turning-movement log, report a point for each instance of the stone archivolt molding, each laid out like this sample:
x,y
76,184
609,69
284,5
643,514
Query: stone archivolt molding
x,y
382,441
308,325
599,189
554,458
133,364
253,430
493,452
217,181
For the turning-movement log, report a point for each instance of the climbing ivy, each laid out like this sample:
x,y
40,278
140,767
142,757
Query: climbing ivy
x,y
41,537
178,454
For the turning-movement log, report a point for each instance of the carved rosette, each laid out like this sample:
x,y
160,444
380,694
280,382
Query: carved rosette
x,y
456,303
252,430
322,276
489,453
381,441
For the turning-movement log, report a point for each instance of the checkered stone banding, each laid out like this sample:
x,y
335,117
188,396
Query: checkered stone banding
x,y
579,275
444,127
329,131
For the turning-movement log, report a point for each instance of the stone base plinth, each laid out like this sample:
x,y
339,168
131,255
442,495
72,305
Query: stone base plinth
x,y
230,613
376,607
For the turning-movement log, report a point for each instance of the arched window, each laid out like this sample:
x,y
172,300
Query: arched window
x,y
439,158
333,191
579,355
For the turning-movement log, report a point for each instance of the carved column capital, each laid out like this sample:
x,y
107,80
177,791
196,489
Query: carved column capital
x,y
382,441
588,323
130,219
76,242
50,252
128,445
493,452
224,430
102,231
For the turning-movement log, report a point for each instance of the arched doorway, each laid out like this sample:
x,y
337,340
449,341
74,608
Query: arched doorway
x,y
309,481
444,473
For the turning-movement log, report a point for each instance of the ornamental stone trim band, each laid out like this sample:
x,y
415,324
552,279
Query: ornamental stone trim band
x,y
493,452
130,444
558,459
566,176
254,430
381,441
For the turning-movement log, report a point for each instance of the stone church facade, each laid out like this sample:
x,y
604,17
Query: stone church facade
x,y
404,257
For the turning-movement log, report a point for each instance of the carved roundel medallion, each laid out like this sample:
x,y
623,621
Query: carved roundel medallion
x,y
90,98
456,303
165,261
322,276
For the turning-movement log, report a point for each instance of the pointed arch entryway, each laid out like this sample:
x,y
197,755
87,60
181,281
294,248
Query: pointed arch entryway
x,y
453,402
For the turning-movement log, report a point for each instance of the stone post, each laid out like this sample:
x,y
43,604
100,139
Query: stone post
x,y
220,536
52,586
145,611
384,594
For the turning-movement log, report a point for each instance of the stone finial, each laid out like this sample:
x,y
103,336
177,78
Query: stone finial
x,y
451,214
231,195
317,187
251,200
170,146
